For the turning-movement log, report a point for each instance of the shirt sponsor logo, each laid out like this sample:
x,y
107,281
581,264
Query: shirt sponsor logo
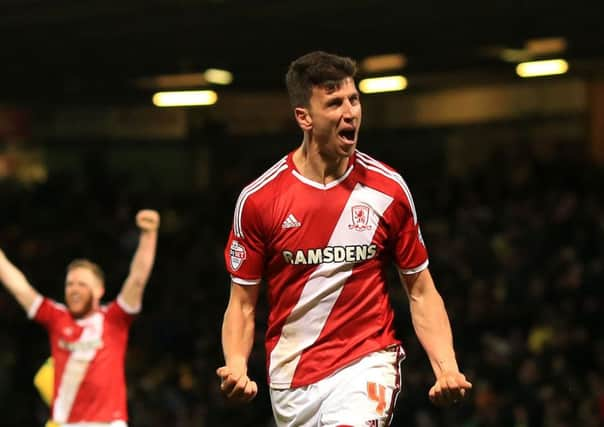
x,y
360,218
348,254
81,345
237,255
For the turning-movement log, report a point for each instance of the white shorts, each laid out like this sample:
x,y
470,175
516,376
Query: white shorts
x,y
361,394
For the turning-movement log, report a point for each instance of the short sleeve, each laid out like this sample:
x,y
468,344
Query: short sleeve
x,y
410,253
245,250
117,312
46,312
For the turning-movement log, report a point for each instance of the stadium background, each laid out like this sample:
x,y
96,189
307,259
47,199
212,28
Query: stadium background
x,y
506,173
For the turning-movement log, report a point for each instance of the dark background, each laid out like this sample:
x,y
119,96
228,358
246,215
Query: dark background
x,y
506,175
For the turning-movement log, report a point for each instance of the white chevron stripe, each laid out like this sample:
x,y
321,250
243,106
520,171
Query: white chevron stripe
x,y
320,293
77,367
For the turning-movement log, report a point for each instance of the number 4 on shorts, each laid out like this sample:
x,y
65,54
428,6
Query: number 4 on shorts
x,y
377,393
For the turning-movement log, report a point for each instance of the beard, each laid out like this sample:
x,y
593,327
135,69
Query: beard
x,y
85,309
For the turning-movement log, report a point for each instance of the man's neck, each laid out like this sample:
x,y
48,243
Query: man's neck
x,y
87,314
314,165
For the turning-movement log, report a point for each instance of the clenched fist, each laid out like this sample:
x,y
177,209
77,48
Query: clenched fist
x,y
147,220
450,387
236,386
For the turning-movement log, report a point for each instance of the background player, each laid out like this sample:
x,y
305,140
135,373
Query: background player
x,y
321,227
88,341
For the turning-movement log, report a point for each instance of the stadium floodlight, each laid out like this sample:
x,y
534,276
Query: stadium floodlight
x,y
383,84
381,63
185,98
547,67
218,76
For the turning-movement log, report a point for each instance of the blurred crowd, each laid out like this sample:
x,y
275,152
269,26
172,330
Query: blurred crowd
x,y
516,248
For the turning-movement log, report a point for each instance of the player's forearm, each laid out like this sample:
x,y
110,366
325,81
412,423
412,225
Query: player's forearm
x,y
433,329
140,270
238,336
16,283
144,257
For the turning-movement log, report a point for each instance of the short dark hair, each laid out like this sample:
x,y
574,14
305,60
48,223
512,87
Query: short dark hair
x,y
92,266
316,68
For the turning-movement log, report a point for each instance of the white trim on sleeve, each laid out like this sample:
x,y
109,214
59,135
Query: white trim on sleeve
x,y
127,308
417,269
35,306
245,282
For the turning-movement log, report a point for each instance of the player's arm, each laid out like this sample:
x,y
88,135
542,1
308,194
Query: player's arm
x,y
237,341
142,262
15,282
433,329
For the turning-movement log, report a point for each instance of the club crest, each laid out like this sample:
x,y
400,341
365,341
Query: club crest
x,y
360,218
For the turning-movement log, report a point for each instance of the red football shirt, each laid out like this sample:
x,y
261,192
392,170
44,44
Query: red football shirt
x,y
323,251
89,356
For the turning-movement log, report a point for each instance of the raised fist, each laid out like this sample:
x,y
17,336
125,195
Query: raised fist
x,y
147,220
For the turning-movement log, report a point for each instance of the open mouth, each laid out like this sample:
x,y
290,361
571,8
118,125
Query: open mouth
x,y
74,298
347,135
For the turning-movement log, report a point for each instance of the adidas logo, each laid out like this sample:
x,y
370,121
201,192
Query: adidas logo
x,y
290,222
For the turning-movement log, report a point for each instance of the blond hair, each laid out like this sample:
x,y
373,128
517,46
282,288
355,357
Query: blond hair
x,y
86,263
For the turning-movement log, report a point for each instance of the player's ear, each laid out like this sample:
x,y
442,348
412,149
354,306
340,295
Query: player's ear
x,y
98,291
303,118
